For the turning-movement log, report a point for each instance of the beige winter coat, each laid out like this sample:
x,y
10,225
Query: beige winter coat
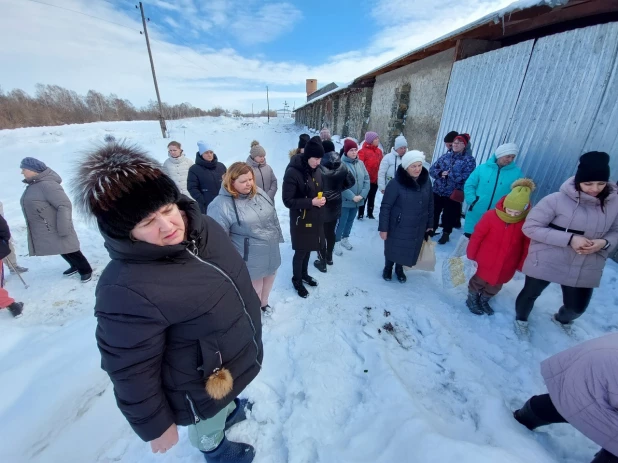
x,y
178,170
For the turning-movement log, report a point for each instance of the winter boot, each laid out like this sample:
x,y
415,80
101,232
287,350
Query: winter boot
x,y
18,269
346,244
445,238
329,257
86,277
16,309
401,276
320,264
484,303
70,271
473,303
239,414
300,288
230,452
387,273
338,251
267,309
528,418
370,216
566,327
521,329
310,280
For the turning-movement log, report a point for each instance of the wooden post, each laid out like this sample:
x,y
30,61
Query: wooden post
x,y
267,104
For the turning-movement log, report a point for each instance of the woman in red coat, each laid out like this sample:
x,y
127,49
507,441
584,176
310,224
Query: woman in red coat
x,y
371,156
499,246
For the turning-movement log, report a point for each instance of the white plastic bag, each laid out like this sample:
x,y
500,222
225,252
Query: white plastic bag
x,y
458,269
462,246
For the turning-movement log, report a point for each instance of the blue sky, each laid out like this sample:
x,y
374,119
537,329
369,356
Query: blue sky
x,y
216,52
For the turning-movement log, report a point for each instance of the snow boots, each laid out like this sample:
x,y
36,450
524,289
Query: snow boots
x,y
70,271
526,416
401,276
338,251
239,414
484,303
230,452
445,238
320,264
474,303
521,329
300,288
16,309
329,257
346,244
86,277
310,280
387,273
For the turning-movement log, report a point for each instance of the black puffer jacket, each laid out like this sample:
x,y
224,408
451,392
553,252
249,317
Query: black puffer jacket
x,y
204,180
165,313
5,236
336,178
300,185
405,213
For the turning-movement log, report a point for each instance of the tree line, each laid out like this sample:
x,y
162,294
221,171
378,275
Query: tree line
x,y
55,105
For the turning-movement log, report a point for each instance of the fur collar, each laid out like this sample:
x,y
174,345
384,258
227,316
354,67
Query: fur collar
x,y
406,180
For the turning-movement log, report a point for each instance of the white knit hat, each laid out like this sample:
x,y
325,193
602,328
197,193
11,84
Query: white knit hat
x,y
411,157
506,150
400,142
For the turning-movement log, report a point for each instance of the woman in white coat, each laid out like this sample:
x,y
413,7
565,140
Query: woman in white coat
x,y
177,165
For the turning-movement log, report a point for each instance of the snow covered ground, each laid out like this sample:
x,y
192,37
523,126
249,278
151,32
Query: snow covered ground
x,y
336,385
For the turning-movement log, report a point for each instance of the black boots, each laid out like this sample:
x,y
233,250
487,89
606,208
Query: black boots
x,y
329,257
310,280
320,264
239,414
484,303
230,452
387,273
16,309
473,303
401,276
300,288
70,271
445,238
528,418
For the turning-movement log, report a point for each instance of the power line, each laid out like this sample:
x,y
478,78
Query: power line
x,y
84,14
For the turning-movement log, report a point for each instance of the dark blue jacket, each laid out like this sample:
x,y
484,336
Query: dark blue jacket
x,y
459,165
204,180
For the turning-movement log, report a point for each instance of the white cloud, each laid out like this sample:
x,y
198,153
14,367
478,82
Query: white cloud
x,y
172,22
53,46
267,23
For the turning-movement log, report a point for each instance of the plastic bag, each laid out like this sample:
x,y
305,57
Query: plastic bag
x,y
458,269
461,248
427,258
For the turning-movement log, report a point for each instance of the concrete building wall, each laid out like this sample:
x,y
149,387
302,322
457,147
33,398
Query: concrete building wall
x,y
410,100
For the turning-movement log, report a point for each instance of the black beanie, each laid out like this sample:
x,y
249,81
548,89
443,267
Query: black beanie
x,y
302,140
593,167
314,149
121,185
450,137
328,146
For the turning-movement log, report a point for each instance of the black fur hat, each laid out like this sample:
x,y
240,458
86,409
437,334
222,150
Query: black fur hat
x,y
121,185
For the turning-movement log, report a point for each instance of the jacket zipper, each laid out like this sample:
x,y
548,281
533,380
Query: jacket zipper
x,y
244,306
262,175
495,187
195,417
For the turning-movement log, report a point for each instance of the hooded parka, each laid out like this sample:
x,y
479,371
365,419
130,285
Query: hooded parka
x,y
253,227
168,317
204,180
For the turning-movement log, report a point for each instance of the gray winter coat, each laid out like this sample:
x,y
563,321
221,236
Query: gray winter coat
x,y
253,227
264,177
405,213
48,213
178,170
583,385
361,179
550,225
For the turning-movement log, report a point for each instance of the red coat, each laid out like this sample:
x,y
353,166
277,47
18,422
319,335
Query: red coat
x,y
371,157
499,248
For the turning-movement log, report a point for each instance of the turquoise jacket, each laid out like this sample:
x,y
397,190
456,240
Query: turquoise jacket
x,y
485,187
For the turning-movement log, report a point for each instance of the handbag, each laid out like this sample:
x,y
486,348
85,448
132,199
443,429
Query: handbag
x,y
427,258
457,195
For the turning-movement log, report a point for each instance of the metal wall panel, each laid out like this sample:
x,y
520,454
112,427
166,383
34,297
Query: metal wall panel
x,y
481,97
566,104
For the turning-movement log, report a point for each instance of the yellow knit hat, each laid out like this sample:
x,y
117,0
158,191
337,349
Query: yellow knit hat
x,y
519,197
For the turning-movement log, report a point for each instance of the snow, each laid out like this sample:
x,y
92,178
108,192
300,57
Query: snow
x,y
336,385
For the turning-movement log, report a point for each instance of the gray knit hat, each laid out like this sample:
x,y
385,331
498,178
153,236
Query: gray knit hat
x,y
256,150
32,164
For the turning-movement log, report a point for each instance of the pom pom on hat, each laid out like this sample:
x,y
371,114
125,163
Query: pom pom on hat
x,y
507,149
256,150
349,144
411,157
519,197
400,142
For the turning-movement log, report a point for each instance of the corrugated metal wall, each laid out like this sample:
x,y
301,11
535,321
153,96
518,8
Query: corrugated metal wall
x,y
556,98
481,97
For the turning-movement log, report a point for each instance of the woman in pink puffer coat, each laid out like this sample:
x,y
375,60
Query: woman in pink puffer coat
x,y
583,391
572,233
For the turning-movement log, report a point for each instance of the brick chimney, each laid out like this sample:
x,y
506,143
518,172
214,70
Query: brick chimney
x,y
312,86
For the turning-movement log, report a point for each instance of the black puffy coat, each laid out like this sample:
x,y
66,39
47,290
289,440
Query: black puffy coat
x,y
406,213
335,178
5,236
300,185
168,316
204,180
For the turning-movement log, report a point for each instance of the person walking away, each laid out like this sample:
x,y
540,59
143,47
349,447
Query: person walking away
x,y
6,301
406,215
499,246
490,182
572,234
49,218
450,173
325,134
582,385
353,197
335,179
177,166
390,162
11,258
178,321
204,179
302,142
263,173
301,183
371,155
248,216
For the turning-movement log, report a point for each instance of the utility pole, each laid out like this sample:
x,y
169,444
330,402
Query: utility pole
x,y
252,115
154,76
267,104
